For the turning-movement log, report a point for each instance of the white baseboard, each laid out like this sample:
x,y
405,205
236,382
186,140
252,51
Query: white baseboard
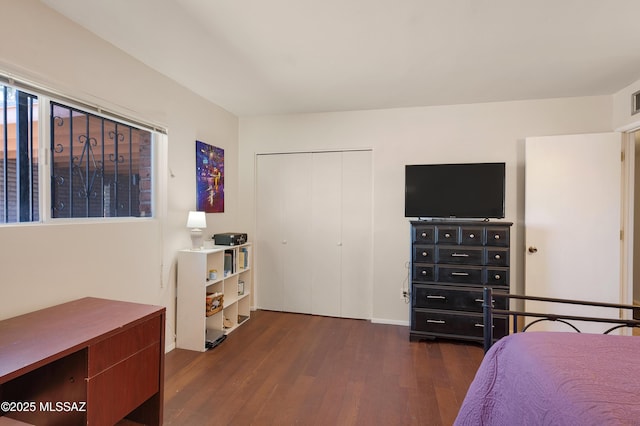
x,y
168,348
389,321
373,320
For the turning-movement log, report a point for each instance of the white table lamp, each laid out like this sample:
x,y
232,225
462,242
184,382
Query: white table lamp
x,y
196,221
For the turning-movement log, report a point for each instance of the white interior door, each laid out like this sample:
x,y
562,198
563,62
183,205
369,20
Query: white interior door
x,y
572,222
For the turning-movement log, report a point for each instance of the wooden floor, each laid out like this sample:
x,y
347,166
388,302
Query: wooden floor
x,y
285,369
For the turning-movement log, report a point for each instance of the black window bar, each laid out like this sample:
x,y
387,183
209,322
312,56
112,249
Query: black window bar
x,y
92,170
24,156
5,156
19,190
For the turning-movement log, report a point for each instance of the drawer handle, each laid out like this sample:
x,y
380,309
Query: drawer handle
x,y
429,296
482,300
423,235
496,237
447,235
497,257
435,321
482,325
496,276
460,274
472,235
459,255
424,272
425,254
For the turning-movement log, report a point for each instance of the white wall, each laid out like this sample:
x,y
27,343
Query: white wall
x,y
622,117
41,265
45,264
462,133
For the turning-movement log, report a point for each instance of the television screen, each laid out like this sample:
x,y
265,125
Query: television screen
x,y
468,190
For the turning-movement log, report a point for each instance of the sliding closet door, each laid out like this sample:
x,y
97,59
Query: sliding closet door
x,y
283,206
314,233
298,254
268,257
357,238
326,233
342,234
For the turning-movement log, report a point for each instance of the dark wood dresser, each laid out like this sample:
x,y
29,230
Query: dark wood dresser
x,y
86,362
451,262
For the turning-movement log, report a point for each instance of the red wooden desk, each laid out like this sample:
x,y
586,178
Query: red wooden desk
x,y
104,353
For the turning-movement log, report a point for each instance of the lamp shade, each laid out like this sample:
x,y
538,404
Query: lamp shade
x,y
197,220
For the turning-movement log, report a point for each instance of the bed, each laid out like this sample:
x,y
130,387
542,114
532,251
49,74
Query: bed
x,y
556,378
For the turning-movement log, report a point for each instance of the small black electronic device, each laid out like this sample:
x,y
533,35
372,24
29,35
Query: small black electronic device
x,y
214,338
230,238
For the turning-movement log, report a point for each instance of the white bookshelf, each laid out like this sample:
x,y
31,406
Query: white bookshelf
x,y
195,282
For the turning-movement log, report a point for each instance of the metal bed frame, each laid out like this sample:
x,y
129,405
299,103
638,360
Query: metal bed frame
x,y
489,311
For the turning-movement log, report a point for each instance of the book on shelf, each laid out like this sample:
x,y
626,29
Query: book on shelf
x,y
241,262
243,257
228,263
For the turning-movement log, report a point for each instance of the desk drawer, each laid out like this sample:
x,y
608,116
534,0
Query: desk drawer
x,y
110,351
118,390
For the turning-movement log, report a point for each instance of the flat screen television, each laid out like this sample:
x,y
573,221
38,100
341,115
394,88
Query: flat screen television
x,y
465,190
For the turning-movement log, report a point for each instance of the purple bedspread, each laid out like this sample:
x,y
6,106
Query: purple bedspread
x,y
555,378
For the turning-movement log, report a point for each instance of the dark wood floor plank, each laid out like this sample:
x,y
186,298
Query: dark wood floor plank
x,y
285,369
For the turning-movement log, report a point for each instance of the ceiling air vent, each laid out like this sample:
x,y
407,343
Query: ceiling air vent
x,y
635,103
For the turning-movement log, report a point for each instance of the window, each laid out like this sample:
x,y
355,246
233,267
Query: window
x,y
99,167
19,200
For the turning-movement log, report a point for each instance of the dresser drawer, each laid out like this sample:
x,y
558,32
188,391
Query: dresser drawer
x,y
448,323
447,235
497,277
460,255
424,234
460,274
497,237
423,272
497,256
425,254
452,298
472,235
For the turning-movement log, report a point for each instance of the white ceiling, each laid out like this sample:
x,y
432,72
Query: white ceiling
x,y
285,56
